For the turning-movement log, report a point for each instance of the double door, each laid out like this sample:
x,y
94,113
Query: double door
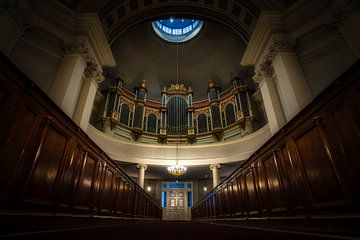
x,y
177,206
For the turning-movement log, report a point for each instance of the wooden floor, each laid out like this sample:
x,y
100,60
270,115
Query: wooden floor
x,y
166,230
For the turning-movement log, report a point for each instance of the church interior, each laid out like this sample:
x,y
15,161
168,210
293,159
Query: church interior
x,y
201,119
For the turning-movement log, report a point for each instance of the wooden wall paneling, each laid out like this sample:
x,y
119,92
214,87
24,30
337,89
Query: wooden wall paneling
x,y
107,189
208,210
244,195
142,204
121,198
80,161
10,97
28,124
134,204
341,127
232,198
115,194
213,204
222,202
126,199
354,94
130,201
235,196
48,163
316,161
261,187
273,183
46,167
98,186
216,204
296,195
251,192
85,183
226,199
67,181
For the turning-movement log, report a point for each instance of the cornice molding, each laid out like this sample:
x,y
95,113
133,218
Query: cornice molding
x,y
64,23
90,26
269,23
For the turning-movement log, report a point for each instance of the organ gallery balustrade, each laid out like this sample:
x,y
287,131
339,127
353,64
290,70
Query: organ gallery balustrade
x,y
310,167
48,165
232,113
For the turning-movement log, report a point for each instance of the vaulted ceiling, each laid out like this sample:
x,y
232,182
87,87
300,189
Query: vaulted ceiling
x,y
214,53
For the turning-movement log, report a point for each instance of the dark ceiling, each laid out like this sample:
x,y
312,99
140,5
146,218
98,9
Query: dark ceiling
x,y
213,54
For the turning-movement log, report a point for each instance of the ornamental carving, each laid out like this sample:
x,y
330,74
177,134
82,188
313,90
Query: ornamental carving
x,y
79,47
338,20
205,111
226,102
265,70
13,9
152,111
178,89
126,101
92,69
280,44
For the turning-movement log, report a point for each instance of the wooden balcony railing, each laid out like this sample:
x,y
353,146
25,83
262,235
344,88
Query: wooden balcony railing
x,y
48,165
310,167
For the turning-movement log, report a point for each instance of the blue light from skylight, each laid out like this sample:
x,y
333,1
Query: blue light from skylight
x,y
177,29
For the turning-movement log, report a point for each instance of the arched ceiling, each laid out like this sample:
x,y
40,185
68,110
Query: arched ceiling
x,y
117,16
214,53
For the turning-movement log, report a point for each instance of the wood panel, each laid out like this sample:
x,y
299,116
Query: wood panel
x,y
273,184
21,142
85,182
72,166
47,162
251,192
317,163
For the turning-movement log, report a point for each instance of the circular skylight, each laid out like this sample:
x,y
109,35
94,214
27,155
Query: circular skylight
x,y
177,29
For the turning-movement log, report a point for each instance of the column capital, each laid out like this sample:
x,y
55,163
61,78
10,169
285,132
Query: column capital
x,y
92,71
81,46
215,166
141,165
279,43
264,70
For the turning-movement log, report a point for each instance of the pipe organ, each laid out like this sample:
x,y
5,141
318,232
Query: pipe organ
x,y
176,118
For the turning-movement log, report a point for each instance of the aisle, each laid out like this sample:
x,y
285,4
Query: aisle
x,y
165,230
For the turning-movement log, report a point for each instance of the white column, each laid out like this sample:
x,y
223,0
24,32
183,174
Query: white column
x,y
12,31
272,104
141,177
87,96
215,172
292,86
67,83
85,103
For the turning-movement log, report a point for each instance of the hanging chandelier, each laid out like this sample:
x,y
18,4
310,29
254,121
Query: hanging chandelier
x,y
177,170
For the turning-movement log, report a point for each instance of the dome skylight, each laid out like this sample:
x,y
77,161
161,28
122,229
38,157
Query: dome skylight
x,y
177,29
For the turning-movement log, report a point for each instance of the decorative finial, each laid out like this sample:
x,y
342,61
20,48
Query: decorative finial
x,y
211,84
